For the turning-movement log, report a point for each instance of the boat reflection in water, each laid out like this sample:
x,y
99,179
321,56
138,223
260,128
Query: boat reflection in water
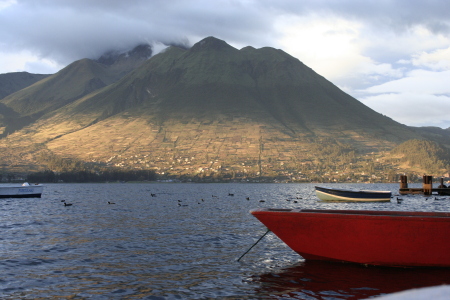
x,y
333,280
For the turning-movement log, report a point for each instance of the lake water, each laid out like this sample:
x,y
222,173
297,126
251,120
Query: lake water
x,y
181,244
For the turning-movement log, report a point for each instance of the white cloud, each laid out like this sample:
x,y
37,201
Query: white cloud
x,y
158,48
418,82
393,46
336,49
438,59
27,61
413,109
420,99
328,46
6,3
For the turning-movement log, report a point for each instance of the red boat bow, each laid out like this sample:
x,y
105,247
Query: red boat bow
x,y
388,238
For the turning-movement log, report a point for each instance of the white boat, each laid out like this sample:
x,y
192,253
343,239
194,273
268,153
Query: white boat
x,y
334,194
25,190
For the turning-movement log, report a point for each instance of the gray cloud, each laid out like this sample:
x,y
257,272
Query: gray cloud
x,y
397,15
69,30
65,30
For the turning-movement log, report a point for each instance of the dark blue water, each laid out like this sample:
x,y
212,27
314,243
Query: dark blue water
x,y
178,246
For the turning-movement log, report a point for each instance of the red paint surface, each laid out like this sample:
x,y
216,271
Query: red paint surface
x,y
367,237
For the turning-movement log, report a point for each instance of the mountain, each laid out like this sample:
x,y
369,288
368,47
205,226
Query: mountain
x,y
208,111
213,80
13,82
122,62
71,83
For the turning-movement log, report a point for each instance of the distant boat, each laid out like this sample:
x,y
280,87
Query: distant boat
x,y
21,191
333,194
385,238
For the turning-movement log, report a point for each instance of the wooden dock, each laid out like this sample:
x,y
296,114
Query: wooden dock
x,y
426,189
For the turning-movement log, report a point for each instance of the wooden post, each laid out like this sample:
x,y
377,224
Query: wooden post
x,y
442,186
427,185
403,181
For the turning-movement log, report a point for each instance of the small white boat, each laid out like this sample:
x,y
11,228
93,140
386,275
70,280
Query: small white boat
x,y
25,190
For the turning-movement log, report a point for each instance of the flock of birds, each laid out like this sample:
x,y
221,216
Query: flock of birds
x,y
180,202
400,200
294,200
70,204
214,196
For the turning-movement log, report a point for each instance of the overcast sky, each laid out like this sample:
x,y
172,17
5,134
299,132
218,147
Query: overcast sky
x,y
394,56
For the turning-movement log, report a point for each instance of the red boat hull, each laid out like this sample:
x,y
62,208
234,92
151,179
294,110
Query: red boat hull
x,y
387,238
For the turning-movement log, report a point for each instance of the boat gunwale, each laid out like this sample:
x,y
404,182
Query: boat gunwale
x,y
360,213
353,191
6,185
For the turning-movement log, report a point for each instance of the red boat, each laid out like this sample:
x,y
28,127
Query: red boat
x,y
385,238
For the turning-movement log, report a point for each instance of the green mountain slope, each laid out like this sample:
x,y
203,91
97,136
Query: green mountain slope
x,y
71,83
13,82
426,156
